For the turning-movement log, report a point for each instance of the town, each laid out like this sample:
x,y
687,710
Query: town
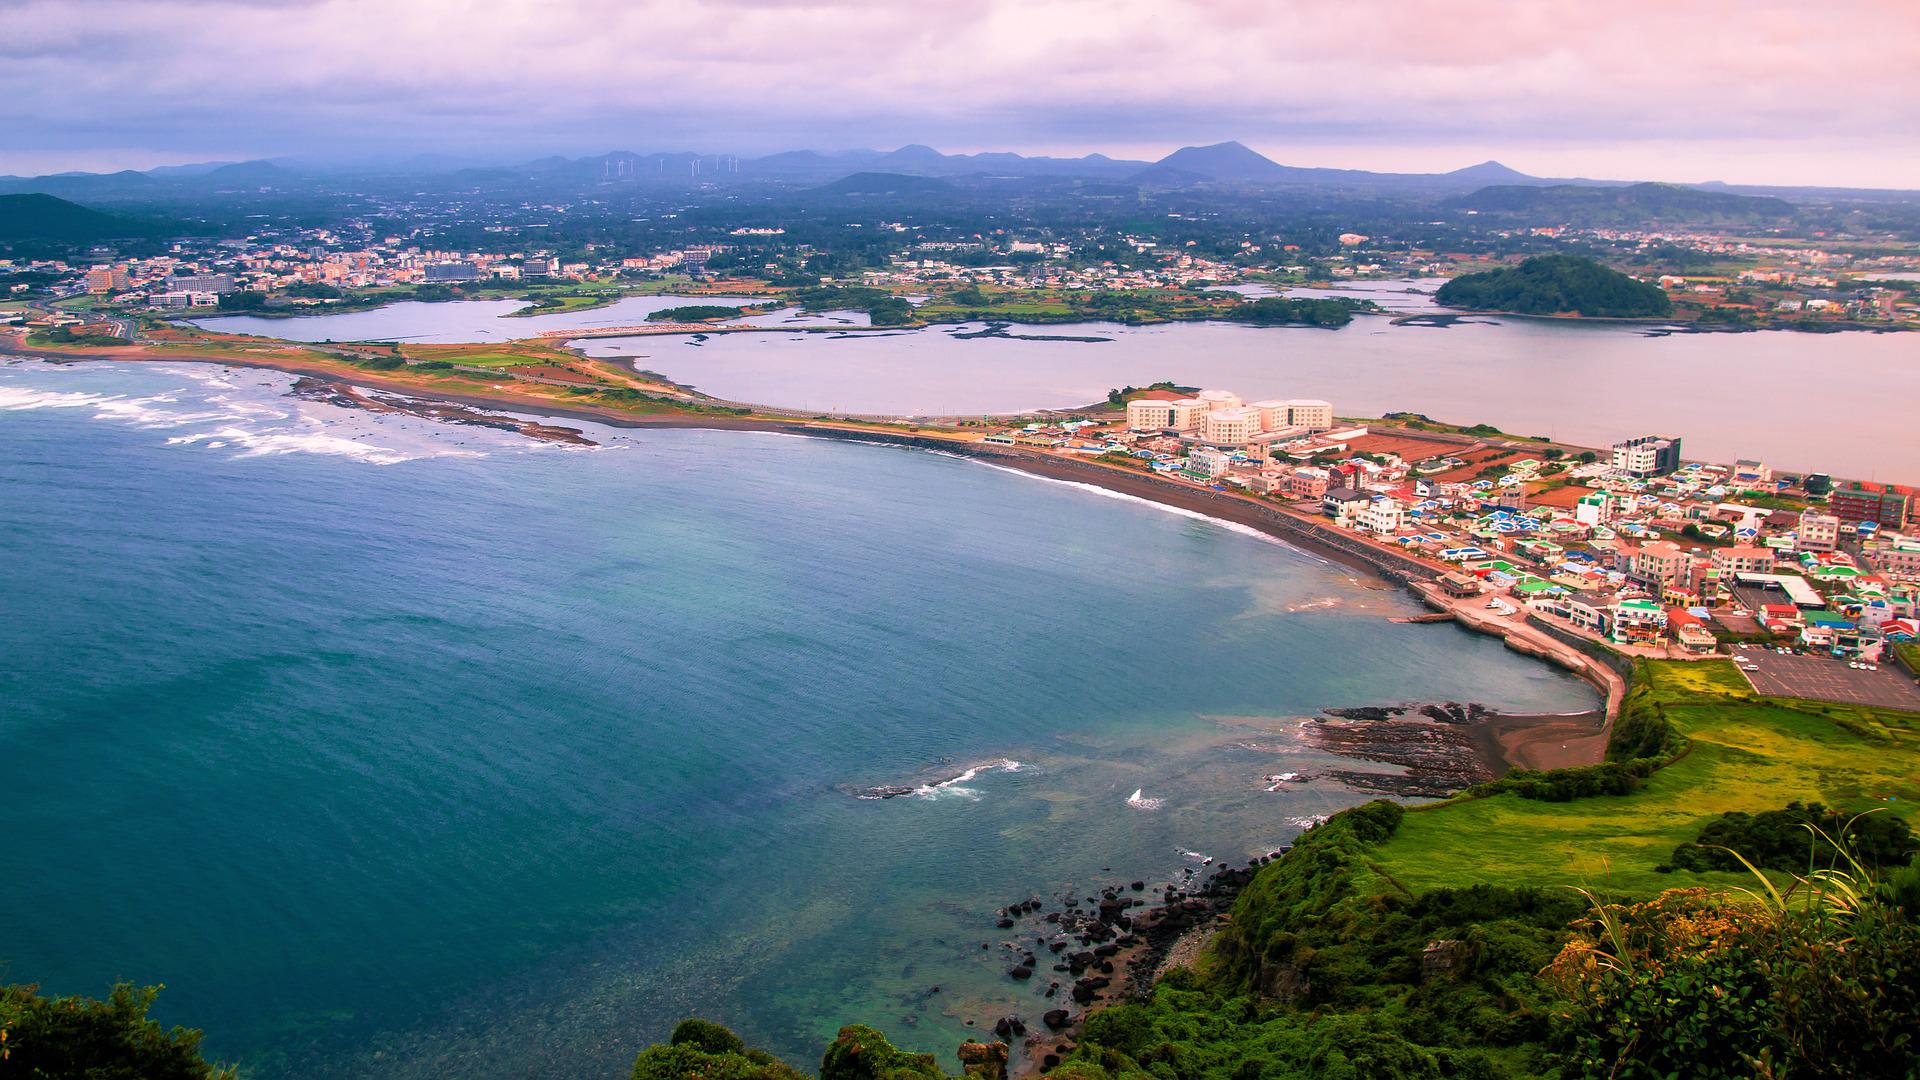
x,y
1636,546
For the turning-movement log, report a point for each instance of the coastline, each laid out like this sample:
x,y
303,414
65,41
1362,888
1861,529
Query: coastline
x,y
1159,932
1523,745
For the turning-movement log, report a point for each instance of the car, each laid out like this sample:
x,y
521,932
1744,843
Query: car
x,y
1873,667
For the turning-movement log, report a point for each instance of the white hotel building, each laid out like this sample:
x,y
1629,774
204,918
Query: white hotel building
x,y
1220,418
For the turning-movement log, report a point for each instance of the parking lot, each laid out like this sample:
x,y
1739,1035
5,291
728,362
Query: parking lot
x,y
1821,679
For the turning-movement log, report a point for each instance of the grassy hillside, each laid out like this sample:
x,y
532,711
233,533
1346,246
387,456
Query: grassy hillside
x,y
1742,753
1556,285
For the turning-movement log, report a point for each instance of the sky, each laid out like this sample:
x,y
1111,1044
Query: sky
x,y
1747,91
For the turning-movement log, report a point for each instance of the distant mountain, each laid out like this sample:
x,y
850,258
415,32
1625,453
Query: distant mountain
x,y
246,173
1228,162
884,183
174,172
1585,205
82,185
1232,163
1556,285
1492,172
46,218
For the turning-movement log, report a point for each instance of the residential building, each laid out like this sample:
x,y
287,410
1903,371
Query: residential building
x,y
1663,562
1742,560
1382,515
1206,463
1690,632
1308,482
1869,502
1648,455
1637,622
1751,474
1817,532
1897,555
1344,505
1591,510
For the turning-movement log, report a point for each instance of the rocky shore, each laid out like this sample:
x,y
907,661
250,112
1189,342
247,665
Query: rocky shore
x,y
1100,948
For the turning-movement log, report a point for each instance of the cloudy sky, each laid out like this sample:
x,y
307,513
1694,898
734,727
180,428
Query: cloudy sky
x,y
1755,91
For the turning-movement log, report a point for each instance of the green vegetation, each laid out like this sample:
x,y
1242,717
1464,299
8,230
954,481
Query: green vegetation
x,y
1908,653
1616,205
65,335
1120,395
36,217
559,303
1741,752
99,1040
1556,285
694,313
882,307
1789,840
701,1050
1290,311
1820,978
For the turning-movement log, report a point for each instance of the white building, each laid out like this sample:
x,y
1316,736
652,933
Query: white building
x,y
1382,515
1231,426
1149,415
1310,413
1817,532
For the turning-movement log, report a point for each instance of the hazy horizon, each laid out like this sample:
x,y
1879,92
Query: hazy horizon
x,y
1714,90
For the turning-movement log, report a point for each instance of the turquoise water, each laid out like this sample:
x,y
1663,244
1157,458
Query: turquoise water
x,y
401,749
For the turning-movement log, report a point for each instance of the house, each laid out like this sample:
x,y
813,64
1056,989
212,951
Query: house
x,y
1690,631
1637,622
1817,532
1382,515
1344,505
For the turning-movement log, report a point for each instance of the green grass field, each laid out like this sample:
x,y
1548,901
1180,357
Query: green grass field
x,y
1746,753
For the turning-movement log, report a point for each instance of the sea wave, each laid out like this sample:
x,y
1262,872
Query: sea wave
x,y
952,786
229,418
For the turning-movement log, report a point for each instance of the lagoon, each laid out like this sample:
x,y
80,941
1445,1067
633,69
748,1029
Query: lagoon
x,y
1841,403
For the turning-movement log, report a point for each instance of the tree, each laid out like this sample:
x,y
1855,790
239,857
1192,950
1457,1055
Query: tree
x,y
99,1040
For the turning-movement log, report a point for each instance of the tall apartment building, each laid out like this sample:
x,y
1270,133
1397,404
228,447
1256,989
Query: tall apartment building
x,y
1860,502
1648,455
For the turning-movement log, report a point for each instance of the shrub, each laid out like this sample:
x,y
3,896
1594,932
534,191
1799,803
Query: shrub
x,y
99,1040
1781,840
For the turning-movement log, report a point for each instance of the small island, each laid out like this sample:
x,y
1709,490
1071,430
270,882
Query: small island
x,y
1557,285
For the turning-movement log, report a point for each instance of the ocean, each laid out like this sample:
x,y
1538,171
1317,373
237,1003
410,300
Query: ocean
x,y
405,749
